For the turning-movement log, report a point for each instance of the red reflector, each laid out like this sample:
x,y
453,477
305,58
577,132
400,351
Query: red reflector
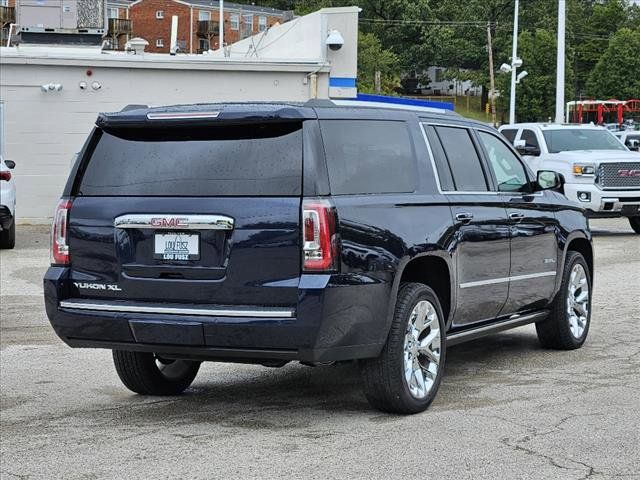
x,y
320,242
5,176
59,227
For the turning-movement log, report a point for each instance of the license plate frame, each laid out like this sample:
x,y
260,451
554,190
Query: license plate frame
x,y
176,246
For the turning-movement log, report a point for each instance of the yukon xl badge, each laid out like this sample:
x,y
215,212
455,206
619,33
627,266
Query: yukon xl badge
x,y
97,286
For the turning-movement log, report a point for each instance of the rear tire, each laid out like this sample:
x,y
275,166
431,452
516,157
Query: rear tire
x,y
567,325
8,236
148,374
635,223
406,376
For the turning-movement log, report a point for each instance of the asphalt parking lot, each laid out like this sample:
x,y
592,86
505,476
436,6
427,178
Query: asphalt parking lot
x,y
506,409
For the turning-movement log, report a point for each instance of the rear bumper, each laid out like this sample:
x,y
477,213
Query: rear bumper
x,y
334,320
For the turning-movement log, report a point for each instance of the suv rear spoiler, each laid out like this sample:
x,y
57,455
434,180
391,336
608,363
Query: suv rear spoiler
x,y
203,115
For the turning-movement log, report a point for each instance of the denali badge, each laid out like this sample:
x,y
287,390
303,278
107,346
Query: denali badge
x,y
97,286
625,172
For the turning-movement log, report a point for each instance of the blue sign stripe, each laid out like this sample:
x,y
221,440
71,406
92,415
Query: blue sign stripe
x,y
364,97
342,82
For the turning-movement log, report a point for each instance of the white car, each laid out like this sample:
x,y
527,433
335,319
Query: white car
x,y
7,205
601,174
631,138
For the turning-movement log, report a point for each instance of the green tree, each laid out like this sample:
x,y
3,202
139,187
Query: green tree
x,y
617,73
371,58
536,93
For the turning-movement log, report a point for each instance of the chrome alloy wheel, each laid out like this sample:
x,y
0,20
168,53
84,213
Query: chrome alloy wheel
x,y
578,301
422,345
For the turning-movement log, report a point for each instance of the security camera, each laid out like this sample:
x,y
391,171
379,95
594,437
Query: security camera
x,y
505,68
334,40
517,62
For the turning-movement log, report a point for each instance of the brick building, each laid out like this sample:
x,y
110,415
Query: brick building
x,y
7,17
197,23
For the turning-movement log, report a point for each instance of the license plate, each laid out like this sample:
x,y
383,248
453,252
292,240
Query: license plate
x,y
176,246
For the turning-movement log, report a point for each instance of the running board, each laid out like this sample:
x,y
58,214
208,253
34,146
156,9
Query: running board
x,y
512,322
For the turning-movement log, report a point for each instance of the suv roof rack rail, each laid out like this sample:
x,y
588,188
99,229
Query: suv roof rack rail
x,y
399,103
319,102
133,106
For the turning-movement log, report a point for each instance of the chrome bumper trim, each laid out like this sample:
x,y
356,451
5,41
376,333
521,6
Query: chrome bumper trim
x,y
209,312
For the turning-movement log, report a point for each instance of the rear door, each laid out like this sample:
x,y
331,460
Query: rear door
x,y
204,215
480,241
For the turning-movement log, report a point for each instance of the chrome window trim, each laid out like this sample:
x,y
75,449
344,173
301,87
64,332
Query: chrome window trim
x,y
187,222
209,312
513,278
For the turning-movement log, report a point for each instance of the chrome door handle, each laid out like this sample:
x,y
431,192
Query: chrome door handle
x,y
516,217
464,217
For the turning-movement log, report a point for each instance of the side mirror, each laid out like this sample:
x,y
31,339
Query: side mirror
x,y
10,163
524,149
548,180
633,145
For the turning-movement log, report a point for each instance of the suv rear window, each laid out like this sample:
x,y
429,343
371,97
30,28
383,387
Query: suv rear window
x,y
264,159
369,156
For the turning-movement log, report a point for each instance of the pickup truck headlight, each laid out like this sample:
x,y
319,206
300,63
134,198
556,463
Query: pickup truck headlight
x,y
584,169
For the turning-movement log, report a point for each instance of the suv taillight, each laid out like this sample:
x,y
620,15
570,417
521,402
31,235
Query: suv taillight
x,y
6,175
320,239
59,245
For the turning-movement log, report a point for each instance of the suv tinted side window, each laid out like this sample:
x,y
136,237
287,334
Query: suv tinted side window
x,y
369,156
530,138
509,135
463,159
509,172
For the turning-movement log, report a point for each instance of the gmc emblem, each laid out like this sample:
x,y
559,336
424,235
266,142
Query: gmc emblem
x,y
171,222
628,173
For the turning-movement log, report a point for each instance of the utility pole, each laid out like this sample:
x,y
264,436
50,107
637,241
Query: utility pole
x,y
221,26
492,80
562,5
514,56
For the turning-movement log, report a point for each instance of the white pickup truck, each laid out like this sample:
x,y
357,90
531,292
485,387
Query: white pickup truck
x,y
602,175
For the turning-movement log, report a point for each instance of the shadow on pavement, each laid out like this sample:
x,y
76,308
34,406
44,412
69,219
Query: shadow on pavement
x,y
282,398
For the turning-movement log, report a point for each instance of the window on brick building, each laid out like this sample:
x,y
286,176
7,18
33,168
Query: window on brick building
x,y
159,42
113,13
234,20
204,15
247,26
262,23
159,13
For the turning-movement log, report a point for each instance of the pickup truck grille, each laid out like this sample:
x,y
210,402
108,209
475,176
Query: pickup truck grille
x,y
623,175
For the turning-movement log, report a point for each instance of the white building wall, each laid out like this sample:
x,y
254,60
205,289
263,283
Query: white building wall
x,y
43,130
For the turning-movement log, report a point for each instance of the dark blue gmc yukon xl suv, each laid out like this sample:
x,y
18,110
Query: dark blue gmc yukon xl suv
x,y
269,233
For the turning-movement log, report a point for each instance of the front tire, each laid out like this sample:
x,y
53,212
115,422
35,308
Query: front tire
x,y
406,376
8,236
567,325
149,374
635,223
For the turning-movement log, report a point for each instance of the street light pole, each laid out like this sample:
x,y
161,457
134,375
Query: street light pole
x,y
514,56
221,26
560,62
